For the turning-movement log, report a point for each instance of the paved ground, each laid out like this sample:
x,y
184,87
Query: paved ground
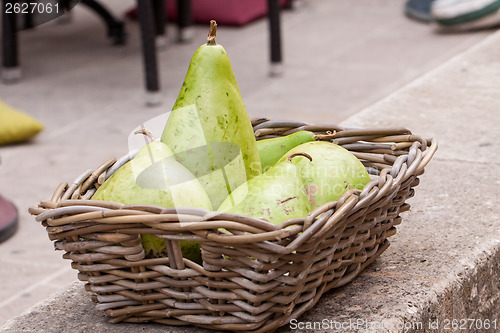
x,y
340,57
442,270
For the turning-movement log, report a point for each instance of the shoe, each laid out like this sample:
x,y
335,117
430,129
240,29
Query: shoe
x,y
8,219
419,10
466,14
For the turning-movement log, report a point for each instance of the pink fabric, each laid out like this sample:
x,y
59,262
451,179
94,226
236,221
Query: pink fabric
x,y
226,12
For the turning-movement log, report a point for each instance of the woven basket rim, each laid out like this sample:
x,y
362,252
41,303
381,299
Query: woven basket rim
x,y
421,152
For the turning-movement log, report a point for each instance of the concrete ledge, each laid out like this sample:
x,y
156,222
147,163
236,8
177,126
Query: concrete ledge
x,y
443,267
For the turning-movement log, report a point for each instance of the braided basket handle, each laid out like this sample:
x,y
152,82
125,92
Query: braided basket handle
x,y
428,154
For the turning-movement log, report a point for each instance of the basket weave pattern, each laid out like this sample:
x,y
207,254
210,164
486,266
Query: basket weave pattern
x,y
255,276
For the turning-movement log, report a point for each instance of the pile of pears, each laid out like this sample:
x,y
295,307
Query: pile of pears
x,y
208,158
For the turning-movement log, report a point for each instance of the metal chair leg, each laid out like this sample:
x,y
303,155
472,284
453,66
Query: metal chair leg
x,y
148,33
160,23
67,18
11,72
275,37
184,20
115,28
159,17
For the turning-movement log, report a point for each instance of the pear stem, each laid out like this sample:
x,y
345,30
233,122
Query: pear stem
x,y
147,133
325,136
212,32
289,159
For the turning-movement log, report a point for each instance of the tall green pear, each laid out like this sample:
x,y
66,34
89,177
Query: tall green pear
x,y
332,172
154,177
275,196
209,130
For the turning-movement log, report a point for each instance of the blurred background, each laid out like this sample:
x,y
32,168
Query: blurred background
x,y
338,58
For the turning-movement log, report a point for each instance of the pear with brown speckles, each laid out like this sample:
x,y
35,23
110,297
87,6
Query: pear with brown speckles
x,y
332,172
275,196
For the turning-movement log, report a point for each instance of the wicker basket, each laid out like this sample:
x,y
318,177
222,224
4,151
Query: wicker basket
x,y
255,276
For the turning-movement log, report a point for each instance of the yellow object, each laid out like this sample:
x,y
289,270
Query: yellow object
x,y
16,126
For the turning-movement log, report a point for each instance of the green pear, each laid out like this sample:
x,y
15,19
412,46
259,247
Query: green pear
x,y
275,196
209,129
332,171
122,186
271,150
154,177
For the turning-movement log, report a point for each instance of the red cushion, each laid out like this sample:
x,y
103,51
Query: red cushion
x,y
226,12
8,213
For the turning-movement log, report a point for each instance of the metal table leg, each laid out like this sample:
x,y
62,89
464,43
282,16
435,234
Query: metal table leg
x,y
275,37
11,72
148,33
